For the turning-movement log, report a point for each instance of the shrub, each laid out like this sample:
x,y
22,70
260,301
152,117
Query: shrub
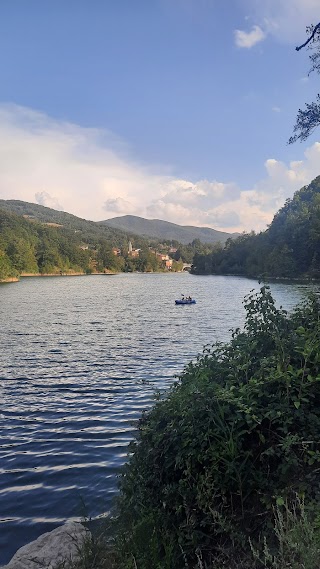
x,y
237,434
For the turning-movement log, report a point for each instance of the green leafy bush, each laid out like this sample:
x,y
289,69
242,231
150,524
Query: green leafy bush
x,y
237,434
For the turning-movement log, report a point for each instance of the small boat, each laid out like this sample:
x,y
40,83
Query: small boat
x,y
185,301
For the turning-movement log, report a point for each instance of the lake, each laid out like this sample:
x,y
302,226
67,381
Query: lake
x,y
80,359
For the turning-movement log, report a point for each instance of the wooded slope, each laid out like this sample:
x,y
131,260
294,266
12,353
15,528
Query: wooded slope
x,y
289,248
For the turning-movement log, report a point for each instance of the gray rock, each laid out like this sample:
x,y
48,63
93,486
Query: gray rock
x,y
57,546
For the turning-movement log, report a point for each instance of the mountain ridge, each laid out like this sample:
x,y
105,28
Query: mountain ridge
x,y
131,225
160,229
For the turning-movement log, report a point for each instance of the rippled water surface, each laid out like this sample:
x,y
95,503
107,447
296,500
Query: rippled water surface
x,y
80,359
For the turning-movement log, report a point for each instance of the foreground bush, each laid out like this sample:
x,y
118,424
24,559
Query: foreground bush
x,y
235,437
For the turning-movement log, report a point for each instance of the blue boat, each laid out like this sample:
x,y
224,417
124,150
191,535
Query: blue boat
x,y
185,301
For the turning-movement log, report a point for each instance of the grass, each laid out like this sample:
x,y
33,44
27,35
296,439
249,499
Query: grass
x,y
296,545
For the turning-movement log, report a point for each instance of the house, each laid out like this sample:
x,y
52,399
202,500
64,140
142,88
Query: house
x,y
162,257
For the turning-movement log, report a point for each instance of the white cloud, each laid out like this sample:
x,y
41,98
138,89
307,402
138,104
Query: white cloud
x,y
249,39
63,165
231,208
90,174
284,19
43,198
119,205
276,109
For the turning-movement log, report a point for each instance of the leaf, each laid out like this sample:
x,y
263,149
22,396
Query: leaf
x,y
296,404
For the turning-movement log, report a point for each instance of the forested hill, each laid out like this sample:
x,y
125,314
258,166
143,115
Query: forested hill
x,y
31,247
131,226
289,248
164,230
90,230
35,239
42,240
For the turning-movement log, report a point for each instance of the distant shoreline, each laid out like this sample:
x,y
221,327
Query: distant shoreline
x,y
10,280
52,275
27,275
108,274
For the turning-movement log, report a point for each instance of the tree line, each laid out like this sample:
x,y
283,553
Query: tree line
x,y
289,248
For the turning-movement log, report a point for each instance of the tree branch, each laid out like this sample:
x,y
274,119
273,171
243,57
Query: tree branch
x,y
317,27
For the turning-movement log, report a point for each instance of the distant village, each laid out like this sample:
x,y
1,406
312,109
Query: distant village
x,y
136,259
163,258
126,258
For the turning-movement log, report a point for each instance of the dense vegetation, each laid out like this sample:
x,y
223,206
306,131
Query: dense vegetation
x,y
37,239
28,247
233,442
289,248
90,231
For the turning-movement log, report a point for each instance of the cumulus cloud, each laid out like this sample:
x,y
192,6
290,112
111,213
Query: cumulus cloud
x,y
43,198
233,208
90,173
119,205
284,19
63,165
188,193
249,39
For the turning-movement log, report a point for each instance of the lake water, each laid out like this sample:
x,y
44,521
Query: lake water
x,y
80,359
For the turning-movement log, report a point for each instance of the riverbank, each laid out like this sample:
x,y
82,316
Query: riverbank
x,y
10,280
79,274
30,275
62,274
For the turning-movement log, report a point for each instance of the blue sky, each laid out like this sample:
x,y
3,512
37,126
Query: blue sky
x,y
170,109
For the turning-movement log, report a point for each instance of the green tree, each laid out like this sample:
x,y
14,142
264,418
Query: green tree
x,y
49,259
106,258
309,118
22,254
6,268
147,261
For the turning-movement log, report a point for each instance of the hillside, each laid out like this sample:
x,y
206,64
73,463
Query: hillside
x,y
128,226
33,247
289,248
164,230
90,230
35,239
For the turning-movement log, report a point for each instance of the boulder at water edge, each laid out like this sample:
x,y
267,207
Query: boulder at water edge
x,y
50,549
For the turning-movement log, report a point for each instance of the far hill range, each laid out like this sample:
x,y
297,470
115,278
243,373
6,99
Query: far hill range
x,y
155,229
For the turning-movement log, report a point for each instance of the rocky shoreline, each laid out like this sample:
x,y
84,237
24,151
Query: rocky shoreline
x,y
61,545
